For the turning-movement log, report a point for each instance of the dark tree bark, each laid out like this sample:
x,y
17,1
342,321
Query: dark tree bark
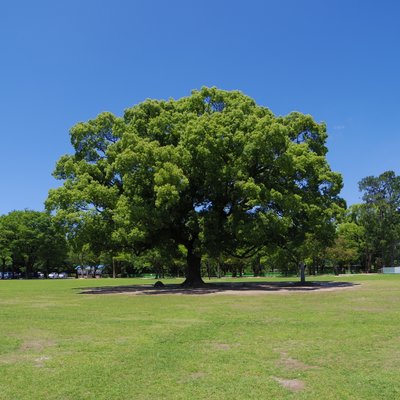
x,y
368,262
302,273
3,266
392,254
114,275
193,269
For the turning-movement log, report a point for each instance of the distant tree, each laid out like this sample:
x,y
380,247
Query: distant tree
x,y
348,246
362,233
155,260
32,240
306,242
380,214
212,172
5,245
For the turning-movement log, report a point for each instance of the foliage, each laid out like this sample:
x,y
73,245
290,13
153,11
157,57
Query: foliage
x,y
380,214
31,240
348,245
369,233
212,172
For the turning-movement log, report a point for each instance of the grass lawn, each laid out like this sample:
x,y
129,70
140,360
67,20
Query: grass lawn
x,y
56,343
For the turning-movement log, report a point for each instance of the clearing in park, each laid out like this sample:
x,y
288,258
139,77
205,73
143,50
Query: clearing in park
x,y
86,340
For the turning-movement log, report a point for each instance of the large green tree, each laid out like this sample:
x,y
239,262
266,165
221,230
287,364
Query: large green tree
x,y
212,172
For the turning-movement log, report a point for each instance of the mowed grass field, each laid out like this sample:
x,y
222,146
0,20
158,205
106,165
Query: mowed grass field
x,y
56,343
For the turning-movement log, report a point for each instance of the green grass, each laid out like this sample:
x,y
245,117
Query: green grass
x,y
56,343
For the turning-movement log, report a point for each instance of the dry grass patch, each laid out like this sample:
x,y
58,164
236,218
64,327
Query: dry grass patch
x,y
31,350
292,364
36,344
221,346
40,361
294,385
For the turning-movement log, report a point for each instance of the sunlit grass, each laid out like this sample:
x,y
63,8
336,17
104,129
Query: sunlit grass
x,y
59,344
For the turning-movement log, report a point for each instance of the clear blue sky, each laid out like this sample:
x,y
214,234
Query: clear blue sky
x,y
66,61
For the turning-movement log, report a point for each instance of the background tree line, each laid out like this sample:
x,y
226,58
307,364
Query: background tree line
x,y
368,235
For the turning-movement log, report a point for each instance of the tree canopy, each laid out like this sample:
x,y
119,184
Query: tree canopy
x,y
213,172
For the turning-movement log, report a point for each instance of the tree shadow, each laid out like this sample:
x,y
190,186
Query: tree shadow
x,y
221,287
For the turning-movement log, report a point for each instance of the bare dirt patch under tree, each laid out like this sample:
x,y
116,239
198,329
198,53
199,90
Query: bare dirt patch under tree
x,y
231,288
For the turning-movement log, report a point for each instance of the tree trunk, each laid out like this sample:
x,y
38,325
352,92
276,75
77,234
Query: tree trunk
x,y
369,262
46,270
208,270
193,269
392,251
28,270
302,273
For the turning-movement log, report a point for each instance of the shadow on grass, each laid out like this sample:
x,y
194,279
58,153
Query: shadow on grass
x,y
251,288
